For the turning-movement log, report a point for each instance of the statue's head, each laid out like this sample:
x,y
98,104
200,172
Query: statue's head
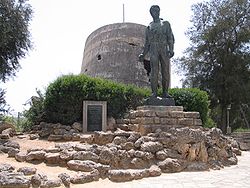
x,y
155,11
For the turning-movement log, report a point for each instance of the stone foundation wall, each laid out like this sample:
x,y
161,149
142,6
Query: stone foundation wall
x,y
146,119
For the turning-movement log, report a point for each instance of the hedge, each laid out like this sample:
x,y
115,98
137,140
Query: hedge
x,y
192,99
64,98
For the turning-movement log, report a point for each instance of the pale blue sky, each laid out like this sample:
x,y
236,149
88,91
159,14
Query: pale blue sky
x,y
60,27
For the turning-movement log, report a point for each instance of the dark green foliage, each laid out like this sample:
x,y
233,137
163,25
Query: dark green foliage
x,y
14,39
3,105
218,58
14,35
192,99
64,97
36,112
63,100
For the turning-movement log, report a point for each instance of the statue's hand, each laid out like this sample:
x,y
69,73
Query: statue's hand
x,y
141,57
171,54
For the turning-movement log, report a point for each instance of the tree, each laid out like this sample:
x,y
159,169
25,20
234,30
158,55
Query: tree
x,y
3,108
15,16
218,59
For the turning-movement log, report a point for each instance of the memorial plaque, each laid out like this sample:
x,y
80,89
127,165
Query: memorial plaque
x,y
94,118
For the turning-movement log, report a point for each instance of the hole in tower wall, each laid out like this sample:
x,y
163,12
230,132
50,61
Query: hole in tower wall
x,y
99,57
146,64
132,44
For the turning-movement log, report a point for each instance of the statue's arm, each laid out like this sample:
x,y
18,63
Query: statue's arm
x,y
145,48
170,38
146,45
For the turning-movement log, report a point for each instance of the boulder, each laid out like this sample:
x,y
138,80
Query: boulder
x,y
66,155
128,146
36,155
87,139
12,152
33,136
5,125
85,155
81,177
60,131
154,171
12,144
119,140
13,180
27,170
21,156
120,175
52,158
139,163
106,156
4,167
171,165
38,179
10,131
103,138
51,183
161,155
85,166
53,137
65,178
151,146
4,136
77,126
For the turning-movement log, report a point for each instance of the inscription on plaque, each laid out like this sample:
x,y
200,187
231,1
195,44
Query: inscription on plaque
x,y
94,118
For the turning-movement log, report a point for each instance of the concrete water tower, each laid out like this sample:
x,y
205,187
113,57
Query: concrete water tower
x,y
111,52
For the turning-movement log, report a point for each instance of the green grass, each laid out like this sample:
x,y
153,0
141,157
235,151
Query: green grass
x,y
240,130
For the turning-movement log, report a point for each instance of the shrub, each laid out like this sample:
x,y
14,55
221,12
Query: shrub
x,y
35,114
192,99
64,97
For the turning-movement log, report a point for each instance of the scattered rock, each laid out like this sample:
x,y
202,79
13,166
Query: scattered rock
x,y
12,152
10,131
27,170
171,165
81,177
38,179
12,144
65,178
35,155
77,126
120,175
103,138
86,155
4,167
52,158
13,180
51,183
85,166
33,136
20,157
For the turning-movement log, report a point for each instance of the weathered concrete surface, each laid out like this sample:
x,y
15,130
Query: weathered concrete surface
x,y
111,52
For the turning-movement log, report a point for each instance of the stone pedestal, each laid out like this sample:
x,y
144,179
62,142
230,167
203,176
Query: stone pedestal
x,y
147,119
158,101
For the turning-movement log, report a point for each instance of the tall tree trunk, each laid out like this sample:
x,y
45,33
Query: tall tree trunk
x,y
244,117
223,121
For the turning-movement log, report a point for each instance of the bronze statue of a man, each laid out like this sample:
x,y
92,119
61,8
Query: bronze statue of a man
x,y
160,45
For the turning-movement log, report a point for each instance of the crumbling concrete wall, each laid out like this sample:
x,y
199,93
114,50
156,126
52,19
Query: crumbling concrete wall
x,y
111,52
